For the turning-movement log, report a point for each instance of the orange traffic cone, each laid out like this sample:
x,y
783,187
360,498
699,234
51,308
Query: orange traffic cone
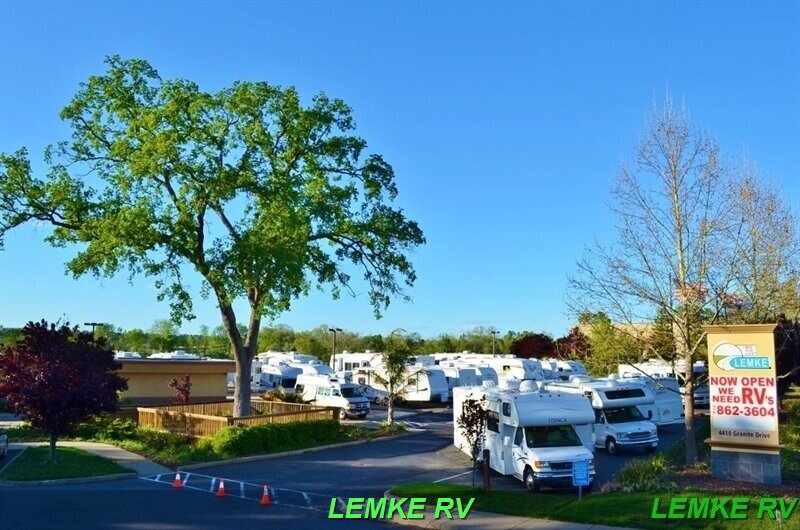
x,y
265,500
221,490
177,482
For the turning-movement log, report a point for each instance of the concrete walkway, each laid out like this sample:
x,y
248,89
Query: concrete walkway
x,y
141,465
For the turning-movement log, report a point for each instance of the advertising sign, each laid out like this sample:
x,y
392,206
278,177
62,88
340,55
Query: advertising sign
x,y
742,385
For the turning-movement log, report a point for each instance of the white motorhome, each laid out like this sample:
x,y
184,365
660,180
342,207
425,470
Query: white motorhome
x,y
668,406
428,384
618,422
329,391
534,435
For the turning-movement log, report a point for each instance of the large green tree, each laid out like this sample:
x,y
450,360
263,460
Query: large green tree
x,y
264,197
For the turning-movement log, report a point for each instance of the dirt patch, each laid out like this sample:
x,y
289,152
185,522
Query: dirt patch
x,y
701,479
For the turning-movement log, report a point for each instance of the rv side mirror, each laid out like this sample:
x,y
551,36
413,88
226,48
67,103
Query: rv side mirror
x,y
649,414
507,441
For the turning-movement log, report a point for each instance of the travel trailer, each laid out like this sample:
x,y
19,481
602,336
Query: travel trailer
x,y
535,435
618,422
657,367
351,361
562,370
428,384
668,406
329,391
458,374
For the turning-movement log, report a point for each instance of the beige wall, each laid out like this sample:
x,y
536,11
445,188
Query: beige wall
x,y
148,379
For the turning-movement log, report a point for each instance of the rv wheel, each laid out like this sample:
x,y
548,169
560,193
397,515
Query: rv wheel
x,y
530,480
342,414
611,446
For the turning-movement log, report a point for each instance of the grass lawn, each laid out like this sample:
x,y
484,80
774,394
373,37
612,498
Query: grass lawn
x,y
34,464
614,509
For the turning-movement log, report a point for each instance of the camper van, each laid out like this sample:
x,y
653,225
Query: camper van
x,y
618,422
428,384
329,391
535,435
668,406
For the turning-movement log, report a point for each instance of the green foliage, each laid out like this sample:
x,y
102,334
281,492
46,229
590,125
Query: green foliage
x,y
105,428
25,433
280,395
648,474
609,347
274,437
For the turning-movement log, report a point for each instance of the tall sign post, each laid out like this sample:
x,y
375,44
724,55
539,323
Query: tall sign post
x,y
744,403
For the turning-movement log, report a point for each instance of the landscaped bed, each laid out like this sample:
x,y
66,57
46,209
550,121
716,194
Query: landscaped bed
x,y
34,464
174,450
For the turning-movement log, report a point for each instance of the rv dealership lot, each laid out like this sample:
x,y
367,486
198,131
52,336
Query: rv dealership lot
x,y
356,471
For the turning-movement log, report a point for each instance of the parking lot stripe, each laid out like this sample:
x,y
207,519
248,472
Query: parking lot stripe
x,y
450,477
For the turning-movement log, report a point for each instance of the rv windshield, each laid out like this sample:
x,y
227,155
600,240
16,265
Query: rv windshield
x,y
350,391
623,414
552,436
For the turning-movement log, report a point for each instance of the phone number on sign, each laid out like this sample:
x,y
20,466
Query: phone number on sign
x,y
732,410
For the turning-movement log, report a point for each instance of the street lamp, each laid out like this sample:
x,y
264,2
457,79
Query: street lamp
x,y
94,325
333,353
494,339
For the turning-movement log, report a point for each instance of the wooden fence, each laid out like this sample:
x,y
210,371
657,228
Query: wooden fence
x,y
205,419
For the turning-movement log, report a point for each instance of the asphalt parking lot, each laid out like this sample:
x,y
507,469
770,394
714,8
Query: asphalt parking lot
x,y
301,486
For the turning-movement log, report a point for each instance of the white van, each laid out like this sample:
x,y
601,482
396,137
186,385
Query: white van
x,y
618,422
534,435
329,391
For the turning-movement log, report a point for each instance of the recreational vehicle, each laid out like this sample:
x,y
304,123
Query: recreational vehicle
x,y
177,355
426,384
618,422
668,406
535,435
657,367
352,361
329,391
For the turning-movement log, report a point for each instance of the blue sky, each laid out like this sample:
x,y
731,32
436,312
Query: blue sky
x,y
505,124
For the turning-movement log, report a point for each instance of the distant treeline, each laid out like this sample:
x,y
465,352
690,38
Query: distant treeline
x,y
163,336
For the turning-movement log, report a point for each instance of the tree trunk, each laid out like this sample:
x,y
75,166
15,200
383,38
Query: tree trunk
x,y
390,410
53,439
243,353
684,348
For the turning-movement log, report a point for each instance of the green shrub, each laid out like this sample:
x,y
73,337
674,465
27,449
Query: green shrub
x,y
644,475
105,428
25,433
159,440
242,441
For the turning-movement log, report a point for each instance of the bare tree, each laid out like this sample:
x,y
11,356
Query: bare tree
x,y
767,282
672,255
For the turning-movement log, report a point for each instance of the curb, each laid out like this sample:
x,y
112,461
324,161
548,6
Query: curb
x,y
77,480
270,456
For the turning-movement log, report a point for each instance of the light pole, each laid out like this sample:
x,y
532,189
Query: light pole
x,y
94,325
333,353
494,339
